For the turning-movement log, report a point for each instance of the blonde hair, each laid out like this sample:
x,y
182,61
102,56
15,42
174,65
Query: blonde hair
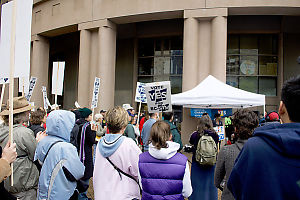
x,y
116,119
160,133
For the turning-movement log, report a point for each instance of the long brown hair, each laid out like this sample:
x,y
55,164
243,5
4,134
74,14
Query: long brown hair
x,y
204,123
159,135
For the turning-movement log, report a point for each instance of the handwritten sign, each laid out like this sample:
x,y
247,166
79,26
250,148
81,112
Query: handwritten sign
x,y
158,96
140,94
221,132
95,92
32,84
4,80
58,77
44,90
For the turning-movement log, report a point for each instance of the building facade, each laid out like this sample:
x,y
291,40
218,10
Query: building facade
x,y
253,45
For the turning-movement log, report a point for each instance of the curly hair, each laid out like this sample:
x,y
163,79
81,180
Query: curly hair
x,y
37,116
244,121
160,133
116,119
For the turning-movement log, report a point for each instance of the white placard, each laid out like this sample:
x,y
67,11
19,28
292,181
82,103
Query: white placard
x,y
77,104
140,95
32,84
23,38
158,96
4,80
23,84
221,132
44,90
95,93
58,77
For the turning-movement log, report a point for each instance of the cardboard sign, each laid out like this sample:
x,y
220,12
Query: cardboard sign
x,y
221,132
44,90
23,38
32,84
140,95
158,96
4,80
58,77
95,93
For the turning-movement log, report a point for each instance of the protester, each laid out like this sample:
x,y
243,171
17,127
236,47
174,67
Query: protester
x,y
100,131
86,138
202,177
217,121
130,130
103,113
115,149
37,120
244,123
164,173
176,137
25,172
146,130
270,118
268,166
61,166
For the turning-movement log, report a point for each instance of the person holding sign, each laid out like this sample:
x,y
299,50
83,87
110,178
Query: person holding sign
x,y
25,184
244,122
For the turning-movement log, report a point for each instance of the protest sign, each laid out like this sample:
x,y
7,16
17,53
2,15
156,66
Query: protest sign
x,y
221,132
140,95
158,96
22,35
44,90
24,85
58,77
32,84
4,80
77,104
95,93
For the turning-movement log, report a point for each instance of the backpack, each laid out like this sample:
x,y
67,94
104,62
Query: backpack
x,y
206,152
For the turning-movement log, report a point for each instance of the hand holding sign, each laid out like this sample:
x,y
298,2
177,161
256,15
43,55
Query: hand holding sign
x,y
158,96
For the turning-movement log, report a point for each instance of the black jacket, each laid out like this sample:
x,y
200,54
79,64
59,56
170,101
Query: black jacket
x,y
90,137
36,128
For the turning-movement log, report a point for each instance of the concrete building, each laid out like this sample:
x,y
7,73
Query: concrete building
x,y
250,44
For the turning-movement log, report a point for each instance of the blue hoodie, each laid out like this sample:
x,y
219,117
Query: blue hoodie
x,y
268,166
109,144
53,183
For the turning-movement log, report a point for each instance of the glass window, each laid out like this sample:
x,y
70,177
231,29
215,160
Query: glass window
x,y
164,64
252,62
248,83
267,86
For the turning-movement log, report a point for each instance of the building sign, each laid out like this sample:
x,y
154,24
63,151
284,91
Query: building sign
x,y
158,96
140,95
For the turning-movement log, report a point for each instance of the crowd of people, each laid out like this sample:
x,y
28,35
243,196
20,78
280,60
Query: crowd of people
x,y
56,154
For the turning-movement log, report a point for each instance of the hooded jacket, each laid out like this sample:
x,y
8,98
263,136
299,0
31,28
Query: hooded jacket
x,y
108,183
26,174
164,173
62,167
268,166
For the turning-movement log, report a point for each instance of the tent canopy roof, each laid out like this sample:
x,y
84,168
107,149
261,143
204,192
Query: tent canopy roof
x,y
212,93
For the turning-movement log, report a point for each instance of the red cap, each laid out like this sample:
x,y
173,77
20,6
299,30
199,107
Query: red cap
x,y
273,116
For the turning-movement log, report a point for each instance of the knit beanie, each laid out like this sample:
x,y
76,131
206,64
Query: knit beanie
x,y
85,112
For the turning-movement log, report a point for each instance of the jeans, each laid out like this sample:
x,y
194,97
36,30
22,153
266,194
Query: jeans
x,y
83,196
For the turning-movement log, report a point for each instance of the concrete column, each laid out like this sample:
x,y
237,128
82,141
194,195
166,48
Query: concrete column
x,y
190,53
40,67
84,69
219,47
107,65
204,49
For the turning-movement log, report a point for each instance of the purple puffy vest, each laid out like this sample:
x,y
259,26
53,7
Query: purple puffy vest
x,y
162,179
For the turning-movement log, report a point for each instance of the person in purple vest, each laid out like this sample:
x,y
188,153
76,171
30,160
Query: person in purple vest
x,y
164,173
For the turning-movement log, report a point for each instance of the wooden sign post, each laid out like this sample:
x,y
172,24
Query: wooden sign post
x,y
56,86
2,96
11,78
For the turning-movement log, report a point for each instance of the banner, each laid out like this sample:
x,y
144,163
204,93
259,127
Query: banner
x,y
221,132
31,87
140,95
44,90
58,77
95,93
23,38
4,80
158,96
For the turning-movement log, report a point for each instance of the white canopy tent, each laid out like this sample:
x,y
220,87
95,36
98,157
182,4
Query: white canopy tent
x,y
212,93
